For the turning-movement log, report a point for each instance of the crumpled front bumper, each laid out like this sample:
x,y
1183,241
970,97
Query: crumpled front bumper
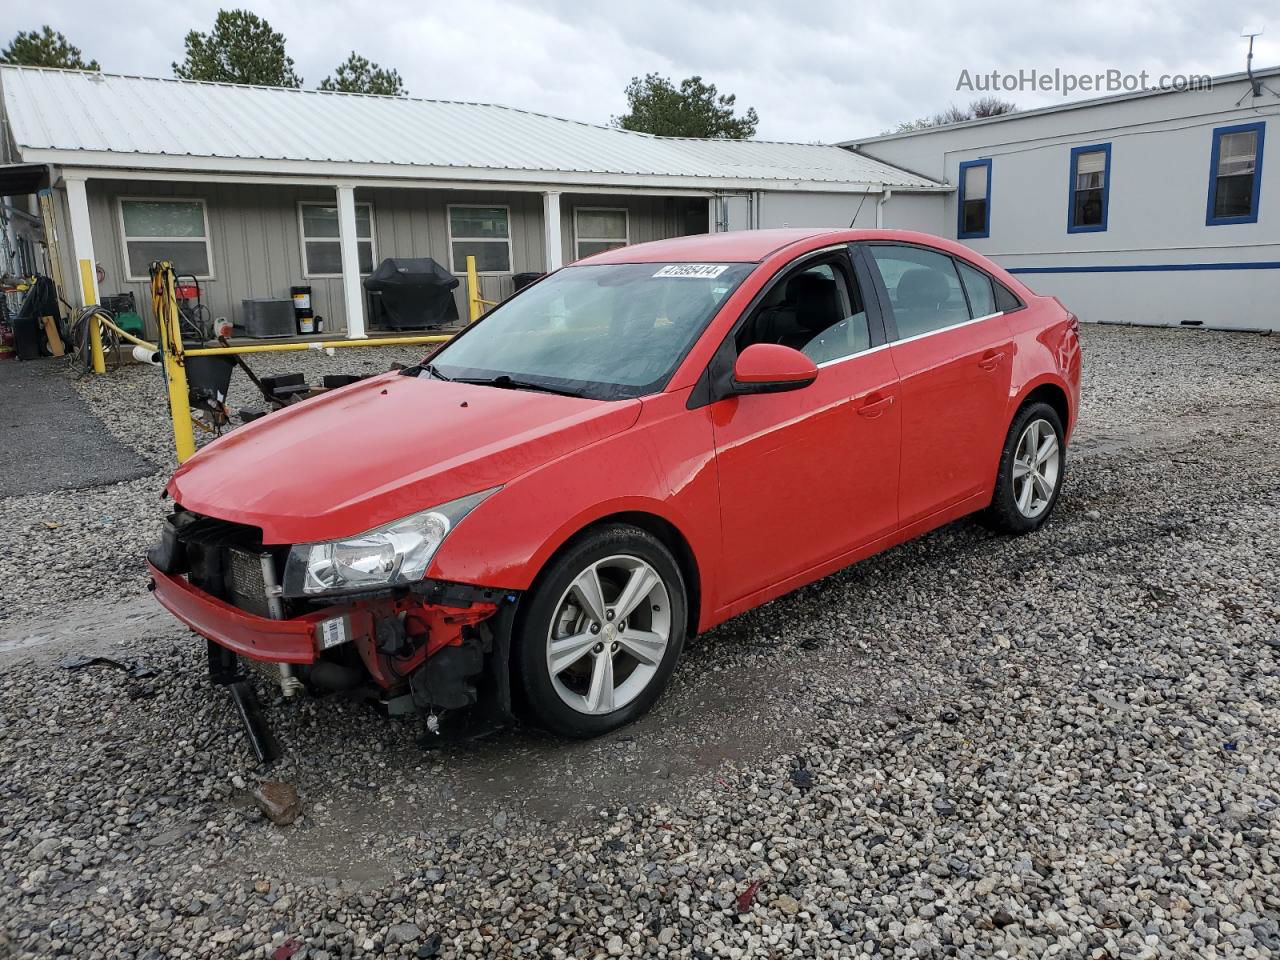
x,y
259,638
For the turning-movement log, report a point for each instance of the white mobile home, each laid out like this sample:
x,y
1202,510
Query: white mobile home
x,y
1152,207
254,190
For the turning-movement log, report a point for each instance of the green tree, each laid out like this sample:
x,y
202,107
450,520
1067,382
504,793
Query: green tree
x,y
358,75
982,107
696,109
45,47
241,48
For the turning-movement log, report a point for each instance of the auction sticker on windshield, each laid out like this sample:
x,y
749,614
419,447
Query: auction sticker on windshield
x,y
700,271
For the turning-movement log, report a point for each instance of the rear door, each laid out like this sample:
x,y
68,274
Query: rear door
x,y
810,474
953,352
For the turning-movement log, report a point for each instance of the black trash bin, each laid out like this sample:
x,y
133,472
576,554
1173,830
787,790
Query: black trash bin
x,y
411,294
521,280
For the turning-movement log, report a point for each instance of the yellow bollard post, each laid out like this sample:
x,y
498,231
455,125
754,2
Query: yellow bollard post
x,y
473,291
95,331
175,370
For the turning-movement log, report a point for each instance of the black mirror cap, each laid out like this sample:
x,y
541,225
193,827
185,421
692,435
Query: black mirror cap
x,y
739,389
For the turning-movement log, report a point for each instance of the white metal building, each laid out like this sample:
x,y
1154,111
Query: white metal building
x,y
256,189
1146,208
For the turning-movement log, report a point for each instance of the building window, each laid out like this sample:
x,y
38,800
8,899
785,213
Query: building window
x,y
1090,188
483,233
975,199
1235,174
173,230
596,229
321,245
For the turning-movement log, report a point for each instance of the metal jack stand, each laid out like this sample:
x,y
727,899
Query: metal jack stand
x,y
224,671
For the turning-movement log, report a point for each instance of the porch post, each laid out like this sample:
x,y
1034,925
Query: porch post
x,y
82,239
713,214
551,230
353,291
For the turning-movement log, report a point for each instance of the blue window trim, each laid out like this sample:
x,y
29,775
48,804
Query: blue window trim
x,y
1104,148
986,226
1218,133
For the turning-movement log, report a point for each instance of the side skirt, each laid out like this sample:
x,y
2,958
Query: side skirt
x,y
920,527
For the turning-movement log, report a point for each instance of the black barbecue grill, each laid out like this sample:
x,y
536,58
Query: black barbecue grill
x,y
411,293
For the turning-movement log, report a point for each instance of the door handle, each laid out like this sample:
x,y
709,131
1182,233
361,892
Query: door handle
x,y
991,361
874,408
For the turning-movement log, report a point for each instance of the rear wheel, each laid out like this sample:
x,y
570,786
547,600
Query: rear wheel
x,y
1032,468
601,633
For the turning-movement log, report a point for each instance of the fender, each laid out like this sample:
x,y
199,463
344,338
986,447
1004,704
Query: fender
x,y
1025,390
664,466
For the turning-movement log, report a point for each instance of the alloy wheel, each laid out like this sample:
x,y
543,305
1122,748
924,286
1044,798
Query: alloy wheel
x,y
609,634
1037,464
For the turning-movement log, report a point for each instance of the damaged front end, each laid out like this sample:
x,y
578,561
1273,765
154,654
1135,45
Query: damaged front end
x,y
314,612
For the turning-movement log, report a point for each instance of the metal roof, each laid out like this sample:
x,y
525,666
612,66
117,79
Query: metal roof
x,y
106,120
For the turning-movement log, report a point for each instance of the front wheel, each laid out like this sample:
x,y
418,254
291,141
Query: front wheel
x,y
1032,468
601,633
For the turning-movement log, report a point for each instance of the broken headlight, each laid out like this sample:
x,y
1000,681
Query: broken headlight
x,y
396,553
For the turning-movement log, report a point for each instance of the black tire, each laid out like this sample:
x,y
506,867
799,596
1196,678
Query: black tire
x,y
542,704
1004,514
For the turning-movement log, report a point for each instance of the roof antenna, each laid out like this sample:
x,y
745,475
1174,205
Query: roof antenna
x,y
1256,86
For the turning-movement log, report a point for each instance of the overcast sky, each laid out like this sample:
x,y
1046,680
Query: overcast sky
x,y
817,71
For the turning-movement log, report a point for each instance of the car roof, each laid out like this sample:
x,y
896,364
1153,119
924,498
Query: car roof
x,y
746,246
741,246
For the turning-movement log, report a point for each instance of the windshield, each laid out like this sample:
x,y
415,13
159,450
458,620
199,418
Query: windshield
x,y
608,332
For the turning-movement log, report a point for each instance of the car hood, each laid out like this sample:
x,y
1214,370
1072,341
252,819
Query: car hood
x,y
381,449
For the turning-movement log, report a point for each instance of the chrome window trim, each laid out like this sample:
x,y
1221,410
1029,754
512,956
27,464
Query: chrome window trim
x,y
918,336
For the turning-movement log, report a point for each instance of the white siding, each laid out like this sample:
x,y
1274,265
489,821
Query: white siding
x,y
1160,162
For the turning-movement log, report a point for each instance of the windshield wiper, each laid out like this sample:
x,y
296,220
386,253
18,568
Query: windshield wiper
x,y
430,368
505,382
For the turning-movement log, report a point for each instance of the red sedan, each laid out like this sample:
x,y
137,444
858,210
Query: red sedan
x,y
631,450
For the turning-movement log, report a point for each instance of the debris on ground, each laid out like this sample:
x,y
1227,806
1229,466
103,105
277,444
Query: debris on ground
x,y
279,802
135,669
787,904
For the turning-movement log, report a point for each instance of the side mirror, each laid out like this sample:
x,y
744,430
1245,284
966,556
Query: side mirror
x,y
772,368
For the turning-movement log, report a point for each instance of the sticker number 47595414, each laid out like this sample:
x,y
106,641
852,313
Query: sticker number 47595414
x,y
333,632
697,271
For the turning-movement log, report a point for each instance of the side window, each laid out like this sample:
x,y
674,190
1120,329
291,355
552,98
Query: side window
x,y
1090,188
1235,174
982,297
1006,299
818,311
924,289
974,200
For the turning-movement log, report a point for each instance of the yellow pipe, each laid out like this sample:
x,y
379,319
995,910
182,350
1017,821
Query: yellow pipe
x,y
126,335
165,303
175,371
326,345
475,302
95,333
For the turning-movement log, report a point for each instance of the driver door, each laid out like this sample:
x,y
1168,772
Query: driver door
x,y
808,475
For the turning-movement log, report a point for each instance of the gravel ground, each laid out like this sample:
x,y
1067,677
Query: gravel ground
x,y
1064,744
102,531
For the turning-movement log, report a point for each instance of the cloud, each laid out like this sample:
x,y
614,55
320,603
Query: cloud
x,y
823,71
